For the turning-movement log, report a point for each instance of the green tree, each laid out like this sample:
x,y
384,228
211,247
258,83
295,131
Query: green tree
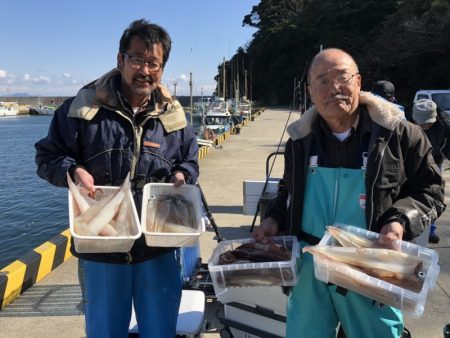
x,y
405,41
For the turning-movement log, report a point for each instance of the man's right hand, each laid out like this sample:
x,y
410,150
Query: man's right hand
x,y
82,176
268,228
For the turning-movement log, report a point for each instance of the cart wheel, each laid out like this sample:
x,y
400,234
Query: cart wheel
x,y
225,333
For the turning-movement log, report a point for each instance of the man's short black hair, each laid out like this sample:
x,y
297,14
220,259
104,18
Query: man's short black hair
x,y
150,33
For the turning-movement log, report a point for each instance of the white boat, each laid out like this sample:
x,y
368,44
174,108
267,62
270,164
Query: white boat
x,y
204,143
8,109
201,105
218,118
244,109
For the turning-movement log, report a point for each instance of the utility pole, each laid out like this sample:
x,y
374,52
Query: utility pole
x,y
203,107
236,96
245,84
224,82
190,90
175,89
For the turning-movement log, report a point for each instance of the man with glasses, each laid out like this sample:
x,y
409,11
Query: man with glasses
x,y
126,121
350,159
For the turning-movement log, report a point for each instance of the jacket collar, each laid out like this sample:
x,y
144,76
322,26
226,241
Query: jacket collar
x,y
382,112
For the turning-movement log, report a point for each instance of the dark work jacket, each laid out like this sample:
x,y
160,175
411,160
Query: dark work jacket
x,y
402,180
439,137
98,130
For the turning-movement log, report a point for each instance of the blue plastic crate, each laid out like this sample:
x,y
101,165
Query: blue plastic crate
x,y
188,258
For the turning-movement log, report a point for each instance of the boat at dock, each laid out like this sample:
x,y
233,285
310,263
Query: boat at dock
x,y
218,118
243,109
8,109
42,110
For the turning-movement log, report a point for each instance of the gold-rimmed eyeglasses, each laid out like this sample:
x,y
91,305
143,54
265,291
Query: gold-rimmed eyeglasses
x,y
323,83
138,62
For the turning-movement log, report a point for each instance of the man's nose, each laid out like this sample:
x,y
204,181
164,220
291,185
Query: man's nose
x,y
334,87
144,70
334,84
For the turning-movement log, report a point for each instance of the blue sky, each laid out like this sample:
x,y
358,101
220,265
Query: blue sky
x,y
52,48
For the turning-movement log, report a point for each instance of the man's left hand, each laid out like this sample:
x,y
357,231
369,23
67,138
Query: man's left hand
x,y
178,179
392,231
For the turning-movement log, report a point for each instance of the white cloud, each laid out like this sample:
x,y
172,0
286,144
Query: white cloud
x,y
67,75
184,77
3,73
41,79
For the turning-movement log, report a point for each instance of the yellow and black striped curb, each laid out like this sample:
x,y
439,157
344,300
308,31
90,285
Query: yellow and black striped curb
x,y
32,267
202,151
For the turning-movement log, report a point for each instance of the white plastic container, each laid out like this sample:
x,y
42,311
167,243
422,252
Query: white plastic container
x,y
165,239
411,303
106,244
253,321
279,273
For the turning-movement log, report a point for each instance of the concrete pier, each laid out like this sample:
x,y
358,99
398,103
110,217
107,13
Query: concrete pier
x,y
51,308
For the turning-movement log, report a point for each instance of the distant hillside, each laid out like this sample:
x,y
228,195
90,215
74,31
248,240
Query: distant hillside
x,y
20,95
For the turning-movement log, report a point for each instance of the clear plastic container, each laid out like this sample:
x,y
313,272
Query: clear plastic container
x,y
279,273
105,244
165,239
411,303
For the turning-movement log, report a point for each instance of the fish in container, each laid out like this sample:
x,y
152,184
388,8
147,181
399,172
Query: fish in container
x,y
170,214
392,272
103,214
245,262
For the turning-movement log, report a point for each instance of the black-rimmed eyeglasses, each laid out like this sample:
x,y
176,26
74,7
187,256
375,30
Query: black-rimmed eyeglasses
x,y
138,62
341,80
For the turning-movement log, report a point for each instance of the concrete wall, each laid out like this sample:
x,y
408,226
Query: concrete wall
x,y
35,100
58,100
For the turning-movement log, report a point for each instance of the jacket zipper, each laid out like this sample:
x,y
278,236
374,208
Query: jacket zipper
x,y
383,148
137,148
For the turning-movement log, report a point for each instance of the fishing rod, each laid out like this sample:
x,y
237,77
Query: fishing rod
x,y
268,172
209,214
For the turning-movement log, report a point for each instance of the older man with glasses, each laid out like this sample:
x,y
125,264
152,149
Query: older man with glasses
x,y
126,122
351,147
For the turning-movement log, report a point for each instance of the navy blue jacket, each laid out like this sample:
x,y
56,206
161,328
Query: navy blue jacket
x,y
98,130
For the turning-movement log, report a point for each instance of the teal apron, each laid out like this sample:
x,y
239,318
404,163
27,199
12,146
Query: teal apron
x,y
334,195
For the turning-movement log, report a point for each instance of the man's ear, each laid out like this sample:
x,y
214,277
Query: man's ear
x,y
119,60
311,95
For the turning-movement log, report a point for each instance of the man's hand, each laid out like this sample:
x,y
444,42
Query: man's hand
x,y
268,228
82,176
392,231
178,179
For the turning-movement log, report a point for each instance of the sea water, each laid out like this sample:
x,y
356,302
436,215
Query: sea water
x,y
32,211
